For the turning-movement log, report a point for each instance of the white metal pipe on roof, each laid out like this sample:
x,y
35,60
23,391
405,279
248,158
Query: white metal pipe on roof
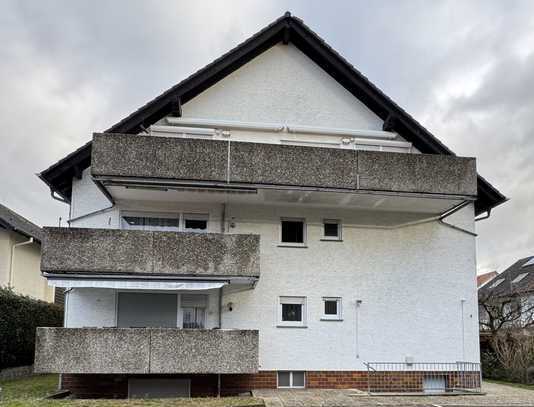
x,y
278,127
341,132
225,124
184,130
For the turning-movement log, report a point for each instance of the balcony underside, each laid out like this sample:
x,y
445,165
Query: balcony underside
x,y
145,351
112,251
135,160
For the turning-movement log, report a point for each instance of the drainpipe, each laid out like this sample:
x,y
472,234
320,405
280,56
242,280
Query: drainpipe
x,y
30,241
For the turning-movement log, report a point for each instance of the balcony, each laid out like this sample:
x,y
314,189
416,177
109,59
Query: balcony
x,y
145,351
121,159
111,251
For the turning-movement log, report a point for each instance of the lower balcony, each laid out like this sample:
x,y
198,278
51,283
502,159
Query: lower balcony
x,y
145,351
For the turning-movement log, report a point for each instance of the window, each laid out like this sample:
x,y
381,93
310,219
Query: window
x,y
194,311
331,229
331,308
161,222
196,223
292,311
530,262
165,222
519,277
293,231
141,310
496,282
291,379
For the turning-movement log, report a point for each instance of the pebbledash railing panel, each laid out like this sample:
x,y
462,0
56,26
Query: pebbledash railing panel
x,y
423,378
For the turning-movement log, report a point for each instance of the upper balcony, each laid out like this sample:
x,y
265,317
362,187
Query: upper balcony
x,y
145,350
122,159
111,251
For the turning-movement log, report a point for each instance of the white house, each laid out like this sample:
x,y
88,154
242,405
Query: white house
x,y
274,220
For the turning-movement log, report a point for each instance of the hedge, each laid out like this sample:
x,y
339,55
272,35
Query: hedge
x,y
19,316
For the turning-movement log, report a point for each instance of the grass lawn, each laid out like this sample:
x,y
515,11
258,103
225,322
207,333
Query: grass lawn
x,y
518,385
30,392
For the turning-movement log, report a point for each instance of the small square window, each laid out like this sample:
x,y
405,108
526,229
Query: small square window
x,y
293,231
331,308
291,379
331,229
292,311
196,223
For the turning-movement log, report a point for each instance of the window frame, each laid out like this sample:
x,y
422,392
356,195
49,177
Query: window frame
x,y
180,216
291,386
339,308
304,232
339,237
292,299
194,216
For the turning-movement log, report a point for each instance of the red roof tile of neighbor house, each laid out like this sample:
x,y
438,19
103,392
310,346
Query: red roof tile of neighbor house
x,y
484,278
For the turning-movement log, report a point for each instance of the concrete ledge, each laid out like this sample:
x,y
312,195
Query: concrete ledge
x,y
145,350
92,350
421,173
204,351
79,250
243,163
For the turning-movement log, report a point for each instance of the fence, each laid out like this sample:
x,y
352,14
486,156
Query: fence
x,y
424,378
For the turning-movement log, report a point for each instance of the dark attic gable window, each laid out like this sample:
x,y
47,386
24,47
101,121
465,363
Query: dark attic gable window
x,y
293,231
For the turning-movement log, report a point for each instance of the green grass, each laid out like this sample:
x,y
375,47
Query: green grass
x,y
31,391
518,385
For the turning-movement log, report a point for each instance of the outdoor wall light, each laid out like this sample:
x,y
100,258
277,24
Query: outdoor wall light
x,y
230,306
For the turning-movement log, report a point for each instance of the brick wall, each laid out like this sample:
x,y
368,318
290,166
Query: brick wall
x,y
116,386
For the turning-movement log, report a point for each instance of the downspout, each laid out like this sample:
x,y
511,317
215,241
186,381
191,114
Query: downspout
x,y
10,280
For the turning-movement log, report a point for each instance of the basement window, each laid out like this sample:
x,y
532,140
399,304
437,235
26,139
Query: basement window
x,y
292,312
292,231
331,229
331,309
291,380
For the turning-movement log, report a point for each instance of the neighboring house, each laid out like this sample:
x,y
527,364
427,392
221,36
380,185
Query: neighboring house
x,y
484,278
508,298
281,218
20,256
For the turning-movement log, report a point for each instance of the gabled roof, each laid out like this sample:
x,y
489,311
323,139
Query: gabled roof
x,y
509,285
484,278
285,29
13,221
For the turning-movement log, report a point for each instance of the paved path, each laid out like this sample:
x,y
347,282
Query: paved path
x,y
497,395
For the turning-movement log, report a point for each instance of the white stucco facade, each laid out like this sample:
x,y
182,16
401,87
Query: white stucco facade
x,y
405,291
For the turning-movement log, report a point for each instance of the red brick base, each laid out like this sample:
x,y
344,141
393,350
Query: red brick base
x,y
116,386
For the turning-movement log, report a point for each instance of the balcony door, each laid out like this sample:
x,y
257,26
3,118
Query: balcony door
x,y
147,310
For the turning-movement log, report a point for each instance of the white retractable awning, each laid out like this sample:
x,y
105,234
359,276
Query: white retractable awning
x,y
136,284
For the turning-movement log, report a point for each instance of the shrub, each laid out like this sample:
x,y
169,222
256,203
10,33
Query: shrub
x,y
19,316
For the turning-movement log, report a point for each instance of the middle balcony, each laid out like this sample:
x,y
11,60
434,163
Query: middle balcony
x,y
111,251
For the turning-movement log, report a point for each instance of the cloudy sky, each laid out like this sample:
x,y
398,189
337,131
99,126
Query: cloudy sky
x,y
464,69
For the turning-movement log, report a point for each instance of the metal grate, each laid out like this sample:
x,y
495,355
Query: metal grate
x,y
423,378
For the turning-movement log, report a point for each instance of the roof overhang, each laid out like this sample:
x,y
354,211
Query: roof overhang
x,y
285,29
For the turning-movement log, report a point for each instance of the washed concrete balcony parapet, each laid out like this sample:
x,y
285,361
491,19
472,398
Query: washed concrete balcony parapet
x,y
108,251
243,163
145,350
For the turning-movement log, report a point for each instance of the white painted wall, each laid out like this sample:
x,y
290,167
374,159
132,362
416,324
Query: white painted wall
x,y
411,282
282,85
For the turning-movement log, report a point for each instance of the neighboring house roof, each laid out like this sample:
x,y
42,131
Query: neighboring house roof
x,y
285,29
484,278
13,221
516,279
